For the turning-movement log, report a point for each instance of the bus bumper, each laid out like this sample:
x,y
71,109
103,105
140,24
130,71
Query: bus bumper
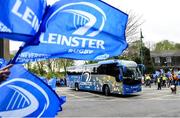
x,y
129,89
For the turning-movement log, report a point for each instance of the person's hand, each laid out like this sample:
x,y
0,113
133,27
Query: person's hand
x,y
4,73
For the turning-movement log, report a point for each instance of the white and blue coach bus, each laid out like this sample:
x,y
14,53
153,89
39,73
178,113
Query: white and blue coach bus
x,y
111,76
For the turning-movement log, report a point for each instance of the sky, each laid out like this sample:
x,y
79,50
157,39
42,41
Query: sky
x,y
161,19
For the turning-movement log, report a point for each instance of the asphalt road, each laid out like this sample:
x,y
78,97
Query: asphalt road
x,y
149,103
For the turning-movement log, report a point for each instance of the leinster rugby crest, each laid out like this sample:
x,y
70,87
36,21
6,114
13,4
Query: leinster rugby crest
x,y
27,96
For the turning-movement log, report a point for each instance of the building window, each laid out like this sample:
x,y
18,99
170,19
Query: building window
x,y
157,60
168,59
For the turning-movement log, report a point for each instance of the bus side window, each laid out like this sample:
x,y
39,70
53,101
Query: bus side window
x,y
120,74
121,71
102,69
94,70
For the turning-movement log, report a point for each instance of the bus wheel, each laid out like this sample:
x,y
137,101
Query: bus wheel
x,y
76,87
106,90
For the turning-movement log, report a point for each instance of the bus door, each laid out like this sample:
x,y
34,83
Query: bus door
x,y
120,74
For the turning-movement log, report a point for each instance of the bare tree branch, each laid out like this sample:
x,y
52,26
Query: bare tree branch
x,y
134,22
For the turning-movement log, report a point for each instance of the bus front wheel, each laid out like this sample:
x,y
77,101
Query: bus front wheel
x,y
76,86
106,90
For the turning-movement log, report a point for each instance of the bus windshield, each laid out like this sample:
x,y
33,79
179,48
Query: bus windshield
x,y
131,73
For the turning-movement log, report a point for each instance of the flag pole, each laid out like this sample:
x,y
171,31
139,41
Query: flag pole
x,y
12,61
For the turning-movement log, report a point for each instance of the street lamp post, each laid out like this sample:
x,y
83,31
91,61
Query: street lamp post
x,y
141,49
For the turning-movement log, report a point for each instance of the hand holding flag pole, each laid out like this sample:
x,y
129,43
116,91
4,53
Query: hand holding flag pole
x,y
20,21
4,72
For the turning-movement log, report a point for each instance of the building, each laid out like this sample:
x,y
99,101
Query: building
x,y
166,59
4,49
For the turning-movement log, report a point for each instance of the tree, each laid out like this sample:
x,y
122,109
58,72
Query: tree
x,y
177,46
132,29
37,68
90,62
134,48
147,61
54,66
40,66
66,63
164,45
50,65
133,52
50,68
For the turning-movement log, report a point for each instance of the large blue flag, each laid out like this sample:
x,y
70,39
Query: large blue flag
x,y
20,19
79,29
25,95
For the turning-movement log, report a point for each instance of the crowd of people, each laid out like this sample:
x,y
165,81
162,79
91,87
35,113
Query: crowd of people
x,y
161,78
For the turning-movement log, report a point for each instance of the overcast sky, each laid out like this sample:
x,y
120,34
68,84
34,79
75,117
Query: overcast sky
x,y
162,18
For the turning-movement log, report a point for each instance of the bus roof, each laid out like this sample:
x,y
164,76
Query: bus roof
x,y
82,68
90,67
126,63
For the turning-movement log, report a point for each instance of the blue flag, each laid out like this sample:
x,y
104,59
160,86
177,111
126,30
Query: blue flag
x,y
79,29
2,62
25,95
157,73
20,19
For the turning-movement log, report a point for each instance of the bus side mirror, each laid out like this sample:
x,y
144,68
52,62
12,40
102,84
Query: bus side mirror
x,y
124,69
141,68
120,77
95,70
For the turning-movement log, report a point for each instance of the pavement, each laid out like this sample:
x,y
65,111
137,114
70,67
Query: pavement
x,y
148,103
146,94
